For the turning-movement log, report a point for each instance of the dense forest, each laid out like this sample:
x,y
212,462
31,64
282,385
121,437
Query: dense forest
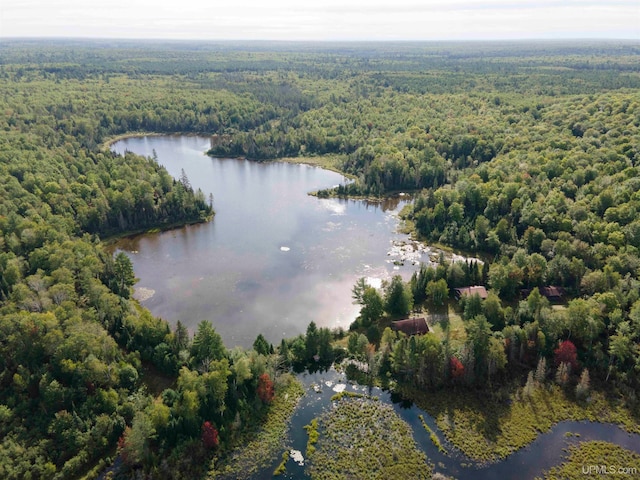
x,y
527,154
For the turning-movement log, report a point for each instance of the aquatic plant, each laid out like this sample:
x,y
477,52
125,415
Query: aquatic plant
x,y
596,458
312,431
362,438
338,396
282,466
432,435
489,429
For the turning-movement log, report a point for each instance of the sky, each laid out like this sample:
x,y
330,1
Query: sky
x,y
325,20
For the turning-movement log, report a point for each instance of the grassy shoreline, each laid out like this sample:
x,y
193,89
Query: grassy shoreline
x,y
489,429
258,449
588,458
326,162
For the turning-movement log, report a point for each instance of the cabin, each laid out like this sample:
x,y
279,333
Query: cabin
x,y
468,291
411,326
551,293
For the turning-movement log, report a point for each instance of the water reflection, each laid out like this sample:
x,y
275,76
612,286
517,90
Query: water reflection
x,y
273,259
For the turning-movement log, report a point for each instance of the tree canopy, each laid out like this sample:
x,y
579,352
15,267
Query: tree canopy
x,y
527,154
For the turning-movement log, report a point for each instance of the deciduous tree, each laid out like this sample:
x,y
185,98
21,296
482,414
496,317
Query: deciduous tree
x,y
265,388
437,291
566,353
209,435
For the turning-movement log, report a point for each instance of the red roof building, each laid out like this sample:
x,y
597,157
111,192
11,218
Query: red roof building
x,y
552,293
411,326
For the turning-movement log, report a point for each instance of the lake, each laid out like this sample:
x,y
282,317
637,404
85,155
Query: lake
x,y
274,258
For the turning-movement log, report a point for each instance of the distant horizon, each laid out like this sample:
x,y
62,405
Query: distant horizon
x,y
322,41
326,21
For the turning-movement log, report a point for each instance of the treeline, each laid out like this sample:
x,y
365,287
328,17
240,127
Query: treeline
x,y
89,111
562,213
393,141
575,182
79,58
93,192
218,396
398,141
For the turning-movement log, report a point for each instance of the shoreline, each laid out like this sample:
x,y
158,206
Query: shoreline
x,y
106,144
110,240
326,162
403,194
408,227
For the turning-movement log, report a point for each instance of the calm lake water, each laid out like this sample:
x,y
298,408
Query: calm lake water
x,y
273,259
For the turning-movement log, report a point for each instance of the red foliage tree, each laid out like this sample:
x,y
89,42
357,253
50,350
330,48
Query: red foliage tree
x,y
265,388
567,353
457,369
122,445
209,435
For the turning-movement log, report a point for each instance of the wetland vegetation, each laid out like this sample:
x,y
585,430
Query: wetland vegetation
x,y
489,428
591,458
363,438
258,449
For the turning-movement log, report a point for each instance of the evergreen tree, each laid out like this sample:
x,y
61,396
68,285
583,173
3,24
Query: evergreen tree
x,y
398,298
207,346
283,351
357,292
261,345
312,342
123,272
181,338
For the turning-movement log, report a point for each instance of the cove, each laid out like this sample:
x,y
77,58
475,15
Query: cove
x,y
273,259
